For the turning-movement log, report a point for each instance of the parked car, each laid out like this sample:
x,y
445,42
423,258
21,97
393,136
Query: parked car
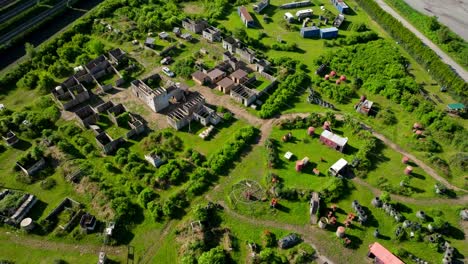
x,y
166,61
168,72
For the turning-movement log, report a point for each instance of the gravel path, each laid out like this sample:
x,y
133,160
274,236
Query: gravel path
x,y
444,57
32,242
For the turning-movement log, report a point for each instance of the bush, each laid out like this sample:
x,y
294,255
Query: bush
x,y
230,151
387,116
292,86
333,189
268,239
48,184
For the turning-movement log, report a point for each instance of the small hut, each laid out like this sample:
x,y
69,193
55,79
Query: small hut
x,y
327,77
311,131
338,82
408,170
343,78
340,231
332,73
405,160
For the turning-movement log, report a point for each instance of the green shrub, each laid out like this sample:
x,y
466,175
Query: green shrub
x,y
48,184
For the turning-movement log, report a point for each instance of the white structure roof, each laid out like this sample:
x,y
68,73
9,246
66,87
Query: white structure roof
x,y
288,155
306,11
341,141
288,15
339,165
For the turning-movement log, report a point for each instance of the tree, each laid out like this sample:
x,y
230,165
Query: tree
x,y
269,256
45,83
269,239
28,81
385,197
214,256
124,209
146,196
240,34
433,24
30,51
95,46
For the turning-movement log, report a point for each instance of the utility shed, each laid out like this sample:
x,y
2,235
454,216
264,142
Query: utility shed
x,y
310,32
381,255
333,140
327,33
455,108
338,167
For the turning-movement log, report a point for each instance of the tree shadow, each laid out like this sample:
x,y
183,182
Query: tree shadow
x,y
416,189
383,237
282,208
350,12
371,220
412,164
403,208
418,176
356,242
350,150
122,235
257,24
22,145
377,157
270,10
455,233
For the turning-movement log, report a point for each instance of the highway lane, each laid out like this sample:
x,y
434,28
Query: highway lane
x,y
17,10
443,56
21,28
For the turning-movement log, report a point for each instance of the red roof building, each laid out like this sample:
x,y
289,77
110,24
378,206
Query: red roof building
x,y
381,255
333,141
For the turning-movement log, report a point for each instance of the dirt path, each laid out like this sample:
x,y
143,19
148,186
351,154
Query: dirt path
x,y
307,232
151,251
444,57
418,162
423,201
31,242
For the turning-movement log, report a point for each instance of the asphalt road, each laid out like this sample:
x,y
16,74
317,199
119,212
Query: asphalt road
x,y
444,57
17,10
21,28
452,13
